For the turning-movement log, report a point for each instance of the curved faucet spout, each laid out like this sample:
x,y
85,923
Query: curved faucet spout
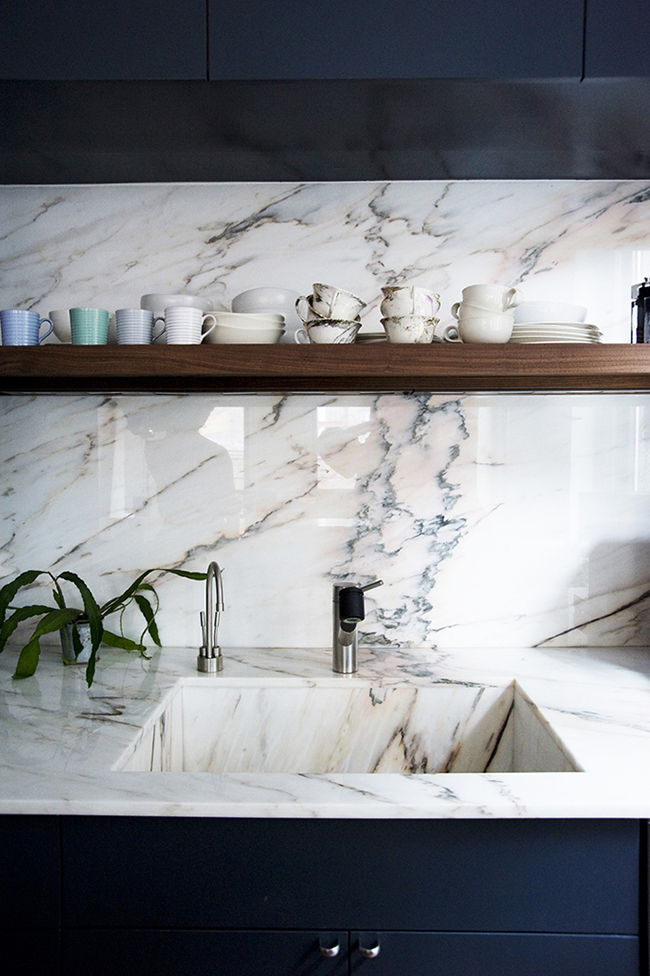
x,y
210,658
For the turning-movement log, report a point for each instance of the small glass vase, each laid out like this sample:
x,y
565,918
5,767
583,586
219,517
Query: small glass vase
x,y
67,646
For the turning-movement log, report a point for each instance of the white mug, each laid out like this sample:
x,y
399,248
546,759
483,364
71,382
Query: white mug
x,y
135,327
334,303
489,327
409,300
492,298
183,325
328,332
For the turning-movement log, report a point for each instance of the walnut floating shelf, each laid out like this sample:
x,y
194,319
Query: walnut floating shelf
x,y
379,367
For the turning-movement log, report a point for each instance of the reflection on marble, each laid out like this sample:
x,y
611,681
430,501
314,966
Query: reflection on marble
x,y
494,521
575,241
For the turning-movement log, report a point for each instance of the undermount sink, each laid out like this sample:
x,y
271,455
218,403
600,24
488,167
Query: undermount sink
x,y
333,726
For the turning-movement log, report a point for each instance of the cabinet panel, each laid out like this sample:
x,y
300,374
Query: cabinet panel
x,y
72,40
199,953
616,43
29,873
530,875
383,39
489,954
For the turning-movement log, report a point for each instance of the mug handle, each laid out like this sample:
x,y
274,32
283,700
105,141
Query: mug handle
x,y
49,331
447,334
512,298
156,335
455,308
303,298
213,326
302,332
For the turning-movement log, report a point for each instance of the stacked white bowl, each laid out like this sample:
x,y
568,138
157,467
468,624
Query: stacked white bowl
x,y
241,328
271,300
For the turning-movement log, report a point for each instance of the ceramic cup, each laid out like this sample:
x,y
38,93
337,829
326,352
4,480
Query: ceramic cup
x,y
409,328
491,298
61,320
310,315
89,326
135,327
22,328
184,326
409,300
334,303
489,327
328,331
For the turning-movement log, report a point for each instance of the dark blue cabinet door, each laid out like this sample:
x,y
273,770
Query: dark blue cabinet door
x,y
200,953
496,954
77,40
616,39
30,885
323,39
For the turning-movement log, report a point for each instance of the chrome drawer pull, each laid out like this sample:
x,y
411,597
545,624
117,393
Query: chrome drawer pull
x,y
369,951
328,946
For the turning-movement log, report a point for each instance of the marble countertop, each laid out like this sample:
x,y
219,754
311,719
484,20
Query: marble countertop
x,y
64,746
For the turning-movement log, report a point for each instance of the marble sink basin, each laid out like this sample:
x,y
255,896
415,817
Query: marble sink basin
x,y
332,726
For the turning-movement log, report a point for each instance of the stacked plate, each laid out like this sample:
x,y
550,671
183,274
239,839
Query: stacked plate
x,y
555,332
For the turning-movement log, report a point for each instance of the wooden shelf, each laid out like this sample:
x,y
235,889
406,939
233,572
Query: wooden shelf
x,y
291,368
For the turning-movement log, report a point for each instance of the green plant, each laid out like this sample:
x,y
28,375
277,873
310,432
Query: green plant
x,y
54,618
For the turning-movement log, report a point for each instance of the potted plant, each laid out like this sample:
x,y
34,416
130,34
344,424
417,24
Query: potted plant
x,y
77,620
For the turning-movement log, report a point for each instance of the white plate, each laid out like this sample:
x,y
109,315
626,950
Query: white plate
x,y
548,341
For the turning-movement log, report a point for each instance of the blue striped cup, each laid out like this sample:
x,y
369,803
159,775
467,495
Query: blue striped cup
x,y
22,328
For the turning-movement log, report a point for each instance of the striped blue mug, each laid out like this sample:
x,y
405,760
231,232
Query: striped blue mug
x,y
22,328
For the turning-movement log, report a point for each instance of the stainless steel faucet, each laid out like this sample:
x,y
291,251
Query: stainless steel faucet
x,y
210,658
347,611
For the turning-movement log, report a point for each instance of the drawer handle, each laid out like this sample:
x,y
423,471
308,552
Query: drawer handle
x,y
369,951
329,946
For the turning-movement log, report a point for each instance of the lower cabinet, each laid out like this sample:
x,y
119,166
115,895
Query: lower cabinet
x,y
141,896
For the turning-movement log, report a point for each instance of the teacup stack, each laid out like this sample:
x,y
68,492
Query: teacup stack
x,y
486,313
331,316
408,313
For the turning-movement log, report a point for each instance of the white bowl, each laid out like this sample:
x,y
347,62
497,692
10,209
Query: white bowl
x,y
250,320
549,312
157,302
264,299
223,334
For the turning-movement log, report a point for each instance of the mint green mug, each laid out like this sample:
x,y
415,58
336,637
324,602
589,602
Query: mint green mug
x,y
89,326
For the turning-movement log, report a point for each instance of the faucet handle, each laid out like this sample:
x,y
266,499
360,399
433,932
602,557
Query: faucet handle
x,y
371,586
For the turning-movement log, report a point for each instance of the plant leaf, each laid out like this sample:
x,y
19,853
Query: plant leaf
x,y
54,620
149,616
91,609
118,640
112,605
20,614
9,590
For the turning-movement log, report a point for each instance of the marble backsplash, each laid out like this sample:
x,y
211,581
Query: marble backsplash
x,y
493,520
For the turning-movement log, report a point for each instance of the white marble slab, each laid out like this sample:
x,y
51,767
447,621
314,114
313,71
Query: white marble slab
x,y
492,520
63,746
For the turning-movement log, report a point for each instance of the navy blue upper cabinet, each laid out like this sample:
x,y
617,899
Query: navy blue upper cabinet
x,y
78,40
616,41
340,39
